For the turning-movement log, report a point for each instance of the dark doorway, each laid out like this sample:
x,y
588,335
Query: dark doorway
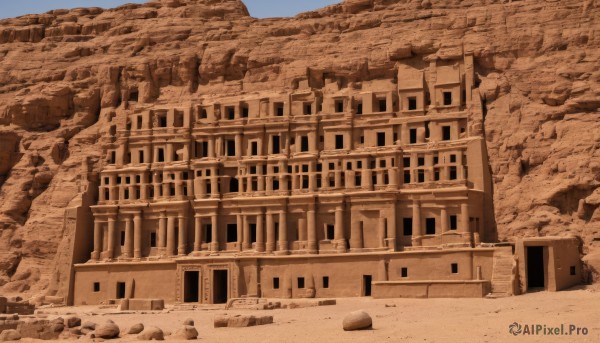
x,y
220,286
367,279
191,286
120,290
535,267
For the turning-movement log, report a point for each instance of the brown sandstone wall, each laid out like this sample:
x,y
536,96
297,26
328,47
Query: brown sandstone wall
x,y
64,73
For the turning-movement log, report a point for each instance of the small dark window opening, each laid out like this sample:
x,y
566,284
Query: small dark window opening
x,y
359,108
380,138
230,148
307,109
153,239
234,185
325,281
203,114
113,157
454,268
139,122
230,113
407,176
406,162
420,176
427,132
252,233
358,181
279,109
421,161
232,233
407,224
446,133
161,155
382,105
413,136
245,112
134,95
208,233
453,222
573,270
330,232
276,146
436,175
452,158
453,174
304,144
162,121
339,106
412,103
122,238
404,272
96,287
447,98
120,290
430,226
275,283
300,282
254,148
339,141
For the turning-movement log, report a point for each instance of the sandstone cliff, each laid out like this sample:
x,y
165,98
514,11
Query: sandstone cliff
x,y
65,74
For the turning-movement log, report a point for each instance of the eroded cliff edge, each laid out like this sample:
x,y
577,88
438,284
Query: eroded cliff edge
x,y
66,73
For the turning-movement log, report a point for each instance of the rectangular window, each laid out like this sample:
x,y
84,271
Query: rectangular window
x,y
304,144
300,282
446,133
279,109
275,283
252,233
254,148
141,156
452,158
447,98
421,161
208,233
380,138
161,155
120,290
307,109
412,103
230,110
436,174
339,142
339,106
330,232
406,162
420,176
96,287
139,122
153,239
454,268
413,136
404,272
382,105
407,176
453,175
122,238
162,121
203,114
245,111
275,145
572,270
453,222
359,108
232,233
407,224
430,226
325,281
230,147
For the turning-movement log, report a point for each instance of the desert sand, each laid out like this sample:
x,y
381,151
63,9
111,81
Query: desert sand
x,y
411,320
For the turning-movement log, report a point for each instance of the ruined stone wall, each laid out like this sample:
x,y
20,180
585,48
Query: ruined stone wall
x,y
63,74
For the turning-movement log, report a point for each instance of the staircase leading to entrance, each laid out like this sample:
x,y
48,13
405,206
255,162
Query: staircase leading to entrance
x,y
502,274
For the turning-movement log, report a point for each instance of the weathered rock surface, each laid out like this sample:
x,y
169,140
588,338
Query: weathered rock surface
x,y
188,332
107,330
10,335
151,333
65,75
241,321
357,320
135,329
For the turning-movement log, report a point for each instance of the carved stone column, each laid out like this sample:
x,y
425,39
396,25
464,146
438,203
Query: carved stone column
x,y
137,235
110,250
283,239
270,247
170,236
260,233
182,243
339,236
311,230
197,233
97,240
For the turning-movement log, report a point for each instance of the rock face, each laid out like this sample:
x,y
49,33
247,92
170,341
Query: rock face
x,y
151,333
241,321
357,320
10,335
107,330
66,75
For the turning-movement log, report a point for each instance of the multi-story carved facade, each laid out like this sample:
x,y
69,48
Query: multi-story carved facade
x,y
387,182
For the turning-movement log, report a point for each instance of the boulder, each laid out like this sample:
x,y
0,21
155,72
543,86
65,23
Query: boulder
x,y
107,330
136,329
189,322
73,322
357,320
188,332
10,335
151,333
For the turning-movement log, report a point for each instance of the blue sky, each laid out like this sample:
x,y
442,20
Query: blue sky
x,y
257,8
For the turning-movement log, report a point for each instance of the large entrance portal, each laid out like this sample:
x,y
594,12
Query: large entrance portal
x,y
535,267
191,286
220,286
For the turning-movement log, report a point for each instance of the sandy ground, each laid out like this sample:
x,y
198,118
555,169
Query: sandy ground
x,y
411,320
